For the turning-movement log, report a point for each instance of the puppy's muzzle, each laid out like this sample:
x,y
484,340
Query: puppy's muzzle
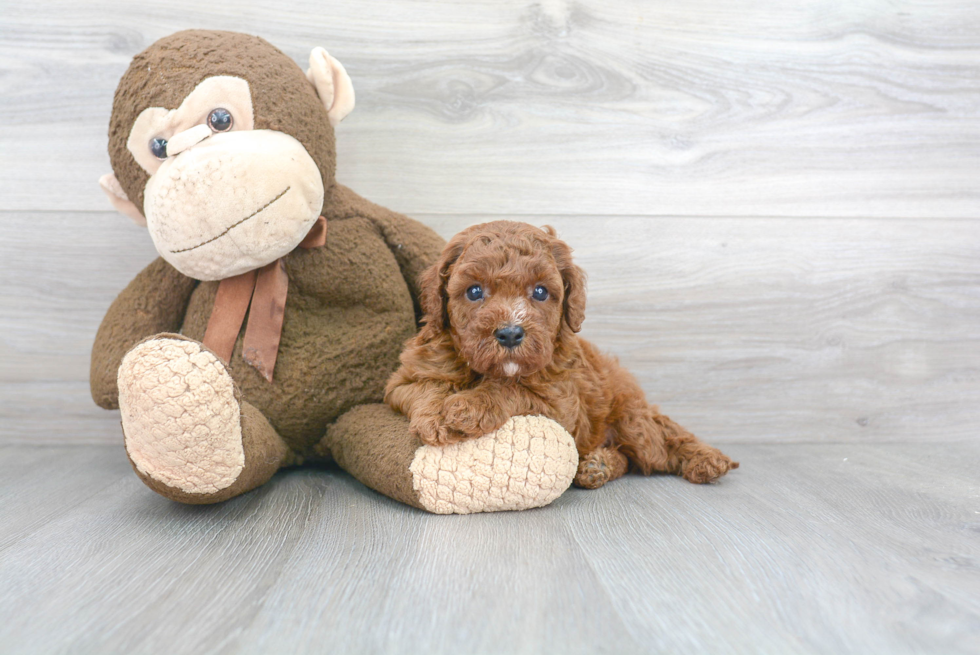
x,y
510,336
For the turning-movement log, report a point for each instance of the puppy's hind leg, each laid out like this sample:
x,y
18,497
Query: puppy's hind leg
x,y
599,467
653,442
689,457
636,434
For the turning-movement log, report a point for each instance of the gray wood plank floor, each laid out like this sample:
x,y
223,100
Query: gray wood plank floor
x,y
824,548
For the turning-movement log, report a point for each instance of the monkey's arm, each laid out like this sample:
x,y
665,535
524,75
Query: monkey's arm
x,y
414,245
155,301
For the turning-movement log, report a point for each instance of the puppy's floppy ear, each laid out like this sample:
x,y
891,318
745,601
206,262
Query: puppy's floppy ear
x,y
573,279
432,282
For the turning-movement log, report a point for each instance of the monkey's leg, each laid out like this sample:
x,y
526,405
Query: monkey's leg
x,y
188,434
601,466
528,462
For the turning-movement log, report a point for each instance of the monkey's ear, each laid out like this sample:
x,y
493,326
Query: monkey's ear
x,y
120,200
332,84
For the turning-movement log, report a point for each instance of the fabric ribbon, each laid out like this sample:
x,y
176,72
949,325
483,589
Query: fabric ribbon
x,y
262,294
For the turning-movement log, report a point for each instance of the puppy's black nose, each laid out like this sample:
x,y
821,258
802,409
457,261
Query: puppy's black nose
x,y
510,336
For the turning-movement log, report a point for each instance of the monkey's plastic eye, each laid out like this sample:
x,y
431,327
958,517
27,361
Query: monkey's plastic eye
x,y
158,147
540,293
220,120
475,292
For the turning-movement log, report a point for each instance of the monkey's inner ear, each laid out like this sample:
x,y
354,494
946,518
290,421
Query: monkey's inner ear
x,y
332,84
119,200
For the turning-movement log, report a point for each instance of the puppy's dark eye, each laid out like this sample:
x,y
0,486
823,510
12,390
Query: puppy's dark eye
x,y
475,292
158,147
540,293
220,120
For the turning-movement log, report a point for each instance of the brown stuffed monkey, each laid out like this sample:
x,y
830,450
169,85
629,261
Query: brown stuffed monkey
x,y
264,334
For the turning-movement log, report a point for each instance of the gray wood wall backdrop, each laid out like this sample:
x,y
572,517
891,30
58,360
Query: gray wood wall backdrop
x,y
778,206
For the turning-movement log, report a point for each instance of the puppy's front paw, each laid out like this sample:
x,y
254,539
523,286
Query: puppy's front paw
x,y
470,414
434,432
707,465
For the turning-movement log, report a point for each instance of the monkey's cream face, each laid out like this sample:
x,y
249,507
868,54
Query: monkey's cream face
x,y
222,198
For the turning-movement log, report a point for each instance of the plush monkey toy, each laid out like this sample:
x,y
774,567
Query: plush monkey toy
x,y
265,333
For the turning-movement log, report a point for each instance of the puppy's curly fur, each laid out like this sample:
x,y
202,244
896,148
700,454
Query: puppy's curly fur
x,y
463,375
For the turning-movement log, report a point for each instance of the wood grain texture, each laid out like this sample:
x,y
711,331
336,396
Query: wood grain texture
x,y
744,330
590,107
779,213
843,548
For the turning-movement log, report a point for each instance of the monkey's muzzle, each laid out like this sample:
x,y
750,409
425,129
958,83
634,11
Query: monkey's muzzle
x,y
232,203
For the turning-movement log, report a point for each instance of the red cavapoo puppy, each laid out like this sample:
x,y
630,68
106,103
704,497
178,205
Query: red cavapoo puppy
x,y
502,306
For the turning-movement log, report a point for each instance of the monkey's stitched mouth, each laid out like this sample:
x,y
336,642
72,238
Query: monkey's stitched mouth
x,y
233,226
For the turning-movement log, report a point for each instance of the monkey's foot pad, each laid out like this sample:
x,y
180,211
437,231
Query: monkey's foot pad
x,y
528,462
180,415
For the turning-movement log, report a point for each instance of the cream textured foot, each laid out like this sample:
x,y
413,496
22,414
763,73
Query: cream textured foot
x,y
528,462
180,415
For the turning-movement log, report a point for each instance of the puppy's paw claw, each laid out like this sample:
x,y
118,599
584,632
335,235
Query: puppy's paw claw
x,y
447,436
431,431
708,467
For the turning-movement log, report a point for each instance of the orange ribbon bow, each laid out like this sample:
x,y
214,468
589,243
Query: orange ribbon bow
x,y
261,293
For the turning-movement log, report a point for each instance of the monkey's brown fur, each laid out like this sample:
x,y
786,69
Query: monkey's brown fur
x,y
457,382
351,303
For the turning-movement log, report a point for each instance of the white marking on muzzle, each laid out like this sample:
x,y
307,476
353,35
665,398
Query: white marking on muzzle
x,y
511,369
518,313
